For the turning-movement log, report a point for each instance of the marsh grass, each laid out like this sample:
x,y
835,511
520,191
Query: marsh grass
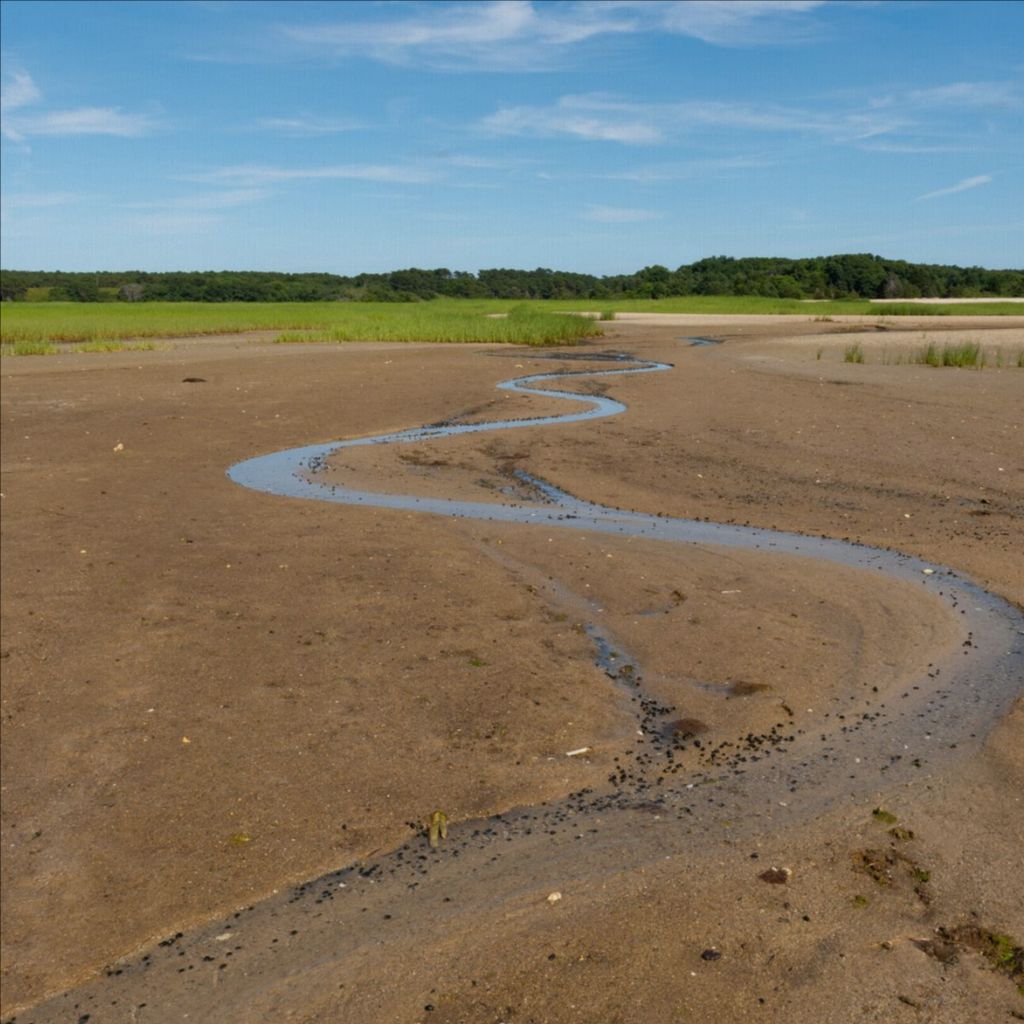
x,y
607,314
524,325
99,321
853,353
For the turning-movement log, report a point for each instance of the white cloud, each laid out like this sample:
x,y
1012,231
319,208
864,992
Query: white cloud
x,y
963,94
19,91
38,200
171,223
518,35
684,170
618,215
580,117
86,121
911,148
737,22
256,175
225,200
309,125
961,186
602,118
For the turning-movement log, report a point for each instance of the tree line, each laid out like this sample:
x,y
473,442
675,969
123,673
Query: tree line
x,y
857,276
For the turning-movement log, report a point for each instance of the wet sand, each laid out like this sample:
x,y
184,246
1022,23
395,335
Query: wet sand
x,y
340,673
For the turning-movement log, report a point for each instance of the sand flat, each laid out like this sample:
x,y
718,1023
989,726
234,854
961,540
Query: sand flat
x,y
339,674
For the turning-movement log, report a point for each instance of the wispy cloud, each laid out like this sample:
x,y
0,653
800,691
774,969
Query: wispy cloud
x,y
225,200
86,121
739,22
254,175
171,223
961,186
582,117
597,117
958,95
39,200
618,215
20,92
685,170
17,90
912,148
309,125
502,35
518,35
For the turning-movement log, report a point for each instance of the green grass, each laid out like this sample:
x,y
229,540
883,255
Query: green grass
x,y
755,304
853,354
524,325
71,321
993,308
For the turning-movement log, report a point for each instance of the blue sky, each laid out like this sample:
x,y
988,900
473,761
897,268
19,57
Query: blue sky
x,y
597,137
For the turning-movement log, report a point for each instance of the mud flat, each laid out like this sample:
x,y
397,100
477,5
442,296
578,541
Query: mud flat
x,y
218,700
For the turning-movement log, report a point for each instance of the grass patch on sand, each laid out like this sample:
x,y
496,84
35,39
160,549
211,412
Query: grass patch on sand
x,y
47,348
524,325
113,346
28,348
965,355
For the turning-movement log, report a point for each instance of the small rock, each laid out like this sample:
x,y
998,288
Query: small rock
x,y
119,447
775,876
711,954
554,897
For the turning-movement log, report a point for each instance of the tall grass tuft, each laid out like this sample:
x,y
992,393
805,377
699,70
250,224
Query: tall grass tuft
x,y
853,354
969,353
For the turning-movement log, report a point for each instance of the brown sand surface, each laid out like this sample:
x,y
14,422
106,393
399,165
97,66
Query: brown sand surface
x,y
210,694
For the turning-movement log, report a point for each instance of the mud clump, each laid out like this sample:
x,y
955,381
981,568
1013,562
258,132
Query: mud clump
x,y
741,688
686,728
1003,953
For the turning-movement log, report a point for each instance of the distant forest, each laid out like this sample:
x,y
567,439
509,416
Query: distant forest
x,y
820,277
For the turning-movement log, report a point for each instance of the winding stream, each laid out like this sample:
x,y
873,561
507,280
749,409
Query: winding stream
x,y
650,808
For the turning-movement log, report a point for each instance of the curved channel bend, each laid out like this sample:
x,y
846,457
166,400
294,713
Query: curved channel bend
x,y
987,680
